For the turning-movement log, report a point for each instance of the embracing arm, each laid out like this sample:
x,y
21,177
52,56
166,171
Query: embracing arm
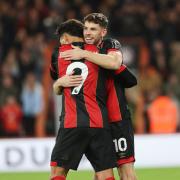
x,y
111,57
66,81
112,60
57,88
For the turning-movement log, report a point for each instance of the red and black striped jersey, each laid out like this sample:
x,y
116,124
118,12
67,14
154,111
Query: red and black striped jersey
x,y
117,82
85,105
116,102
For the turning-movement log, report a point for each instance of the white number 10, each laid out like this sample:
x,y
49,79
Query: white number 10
x,y
120,144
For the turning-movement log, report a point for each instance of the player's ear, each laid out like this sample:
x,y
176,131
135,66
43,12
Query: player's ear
x,y
63,39
104,32
66,38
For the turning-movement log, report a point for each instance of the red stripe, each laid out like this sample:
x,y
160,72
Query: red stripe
x,y
110,50
90,47
59,178
121,69
65,47
110,178
95,115
126,160
70,119
114,112
53,163
91,104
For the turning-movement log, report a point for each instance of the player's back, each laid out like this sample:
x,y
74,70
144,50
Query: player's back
x,y
85,105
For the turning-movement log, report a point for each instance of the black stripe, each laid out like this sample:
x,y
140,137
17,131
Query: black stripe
x,y
83,119
120,91
54,64
101,95
62,112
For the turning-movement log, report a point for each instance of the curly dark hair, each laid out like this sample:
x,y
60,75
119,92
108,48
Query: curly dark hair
x,y
72,27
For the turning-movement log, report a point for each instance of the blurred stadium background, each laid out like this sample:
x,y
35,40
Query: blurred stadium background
x,y
149,31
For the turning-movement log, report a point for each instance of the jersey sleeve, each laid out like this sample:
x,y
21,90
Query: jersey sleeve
x,y
54,64
125,76
112,45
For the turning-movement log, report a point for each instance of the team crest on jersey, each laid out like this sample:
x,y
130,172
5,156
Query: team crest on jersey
x,y
116,44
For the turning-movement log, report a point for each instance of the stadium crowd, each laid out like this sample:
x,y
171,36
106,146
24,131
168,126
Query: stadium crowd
x,y
150,35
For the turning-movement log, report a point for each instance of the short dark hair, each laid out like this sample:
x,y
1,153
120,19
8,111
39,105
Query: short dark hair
x,y
97,18
72,26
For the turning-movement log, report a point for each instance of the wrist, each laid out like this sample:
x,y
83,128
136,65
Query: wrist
x,y
85,54
55,86
57,83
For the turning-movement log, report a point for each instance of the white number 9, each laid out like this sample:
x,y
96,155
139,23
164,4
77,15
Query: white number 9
x,y
84,74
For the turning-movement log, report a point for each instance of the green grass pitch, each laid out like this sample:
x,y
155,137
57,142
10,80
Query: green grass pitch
x,y
143,174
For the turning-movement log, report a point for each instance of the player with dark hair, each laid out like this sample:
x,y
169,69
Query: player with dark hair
x,y
95,28
84,127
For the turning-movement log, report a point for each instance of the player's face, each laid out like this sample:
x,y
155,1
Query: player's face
x,y
93,33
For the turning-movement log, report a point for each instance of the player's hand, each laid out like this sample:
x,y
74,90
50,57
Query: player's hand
x,y
69,81
74,54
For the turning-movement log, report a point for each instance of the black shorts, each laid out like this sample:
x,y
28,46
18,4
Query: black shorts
x,y
95,143
123,139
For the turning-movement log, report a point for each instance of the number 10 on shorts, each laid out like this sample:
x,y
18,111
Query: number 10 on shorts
x,y
120,144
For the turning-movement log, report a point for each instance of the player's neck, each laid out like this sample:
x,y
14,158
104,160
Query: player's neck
x,y
99,43
77,39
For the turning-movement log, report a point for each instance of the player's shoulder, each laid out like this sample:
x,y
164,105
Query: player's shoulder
x,y
111,43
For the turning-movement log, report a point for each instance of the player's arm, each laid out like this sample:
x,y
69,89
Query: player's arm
x,y
127,78
57,88
110,60
66,81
